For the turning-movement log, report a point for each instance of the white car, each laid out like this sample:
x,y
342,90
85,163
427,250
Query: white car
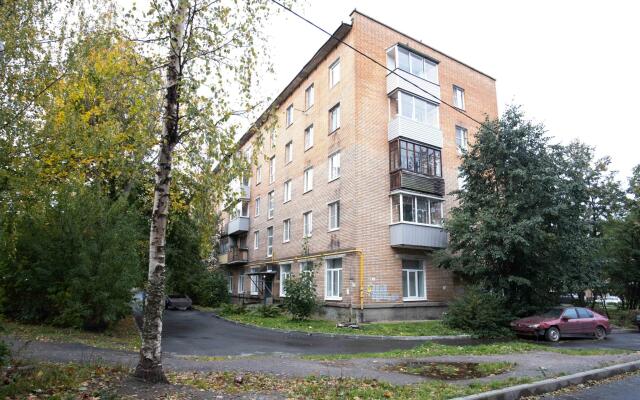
x,y
609,300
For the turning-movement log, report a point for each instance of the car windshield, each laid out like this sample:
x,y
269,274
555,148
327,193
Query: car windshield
x,y
553,313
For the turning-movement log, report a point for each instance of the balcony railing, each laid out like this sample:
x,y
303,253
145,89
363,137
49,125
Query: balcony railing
x,y
238,225
410,235
425,89
402,179
406,127
235,255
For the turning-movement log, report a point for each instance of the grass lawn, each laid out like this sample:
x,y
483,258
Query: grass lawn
x,y
333,388
419,328
430,349
123,336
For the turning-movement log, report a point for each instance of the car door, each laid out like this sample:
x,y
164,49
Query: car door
x,y
569,322
587,320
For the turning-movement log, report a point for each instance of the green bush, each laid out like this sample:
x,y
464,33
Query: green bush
x,y
267,311
232,309
479,313
73,261
301,301
212,289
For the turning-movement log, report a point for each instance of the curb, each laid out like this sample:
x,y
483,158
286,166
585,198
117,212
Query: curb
x,y
553,384
347,336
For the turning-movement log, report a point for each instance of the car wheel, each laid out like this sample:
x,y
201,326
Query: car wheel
x,y
600,333
552,334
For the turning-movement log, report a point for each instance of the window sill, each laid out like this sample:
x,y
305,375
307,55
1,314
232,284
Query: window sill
x,y
286,201
333,298
333,230
333,131
307,191
410,299
286,241
307,237
308,148
334,179
415,223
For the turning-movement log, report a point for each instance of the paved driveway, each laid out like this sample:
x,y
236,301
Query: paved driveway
x,y
623,339
200,333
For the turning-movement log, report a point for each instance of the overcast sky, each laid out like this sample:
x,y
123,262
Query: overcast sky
x,y
572,65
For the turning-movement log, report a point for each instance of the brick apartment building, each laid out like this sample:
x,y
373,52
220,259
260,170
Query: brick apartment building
x,y
353,182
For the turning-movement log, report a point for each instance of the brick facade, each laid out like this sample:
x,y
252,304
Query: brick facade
x,y
363,187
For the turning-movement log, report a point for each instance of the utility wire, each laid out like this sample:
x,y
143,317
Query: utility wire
x,y
374,61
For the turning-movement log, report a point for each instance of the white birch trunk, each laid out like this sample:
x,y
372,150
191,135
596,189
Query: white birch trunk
x,y
150,365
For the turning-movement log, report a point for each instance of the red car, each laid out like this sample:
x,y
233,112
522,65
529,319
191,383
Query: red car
x,y
564,322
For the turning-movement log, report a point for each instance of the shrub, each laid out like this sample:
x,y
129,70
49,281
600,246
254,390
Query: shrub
x,y
232,309
479,313
301,295
267,311
212,289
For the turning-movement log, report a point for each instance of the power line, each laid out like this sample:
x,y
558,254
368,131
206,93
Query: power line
x,y
374,60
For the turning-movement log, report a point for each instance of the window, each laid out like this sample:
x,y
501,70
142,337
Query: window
x,y
286,230
256,240
229,282
272,138
334,118
255,281
413,283
308,137
285,273
458,97
307,224
333,279
306,267
408,61
257,213
334,216
570,313
287,191
308,179
334,73
415,108
415,158
241,283
584,313
309,97
289,115
416,209
270,241
461,139
258,174
240,210
334,166
270,204
288,153
272,169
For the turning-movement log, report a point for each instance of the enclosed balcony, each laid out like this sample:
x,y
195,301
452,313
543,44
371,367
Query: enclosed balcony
x,y
416,182
417,236
414,118
416,221
401,80
416,167
412,72
238,225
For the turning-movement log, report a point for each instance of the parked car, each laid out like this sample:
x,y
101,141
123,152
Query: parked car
x,y
564,322
609,300
180,302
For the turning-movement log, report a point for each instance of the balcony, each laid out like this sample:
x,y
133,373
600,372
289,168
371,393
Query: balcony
x,y
238,226
402,179
235,256
407,235
414,130
425,89
223,258
245,191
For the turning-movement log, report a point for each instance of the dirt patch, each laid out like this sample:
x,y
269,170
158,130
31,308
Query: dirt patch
x,y
449,371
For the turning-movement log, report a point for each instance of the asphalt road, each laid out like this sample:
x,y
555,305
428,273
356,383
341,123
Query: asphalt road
x,y
625,340
200,333
624,389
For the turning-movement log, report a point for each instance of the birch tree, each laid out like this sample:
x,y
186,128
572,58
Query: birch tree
x,y
215,53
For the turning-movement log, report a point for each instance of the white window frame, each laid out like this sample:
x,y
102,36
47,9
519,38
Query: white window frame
x,y
328,277
289,115
256,240
257,207
393,62
334,216
230,282
458,101
286,230
288,152
283,277
334,73
334,111
308,180
258,174
334,171
272,169
415,271
414,100
307,224
309,96
241,283
430,199
303,264
287,191
271,201
308,137
270,239
463,143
